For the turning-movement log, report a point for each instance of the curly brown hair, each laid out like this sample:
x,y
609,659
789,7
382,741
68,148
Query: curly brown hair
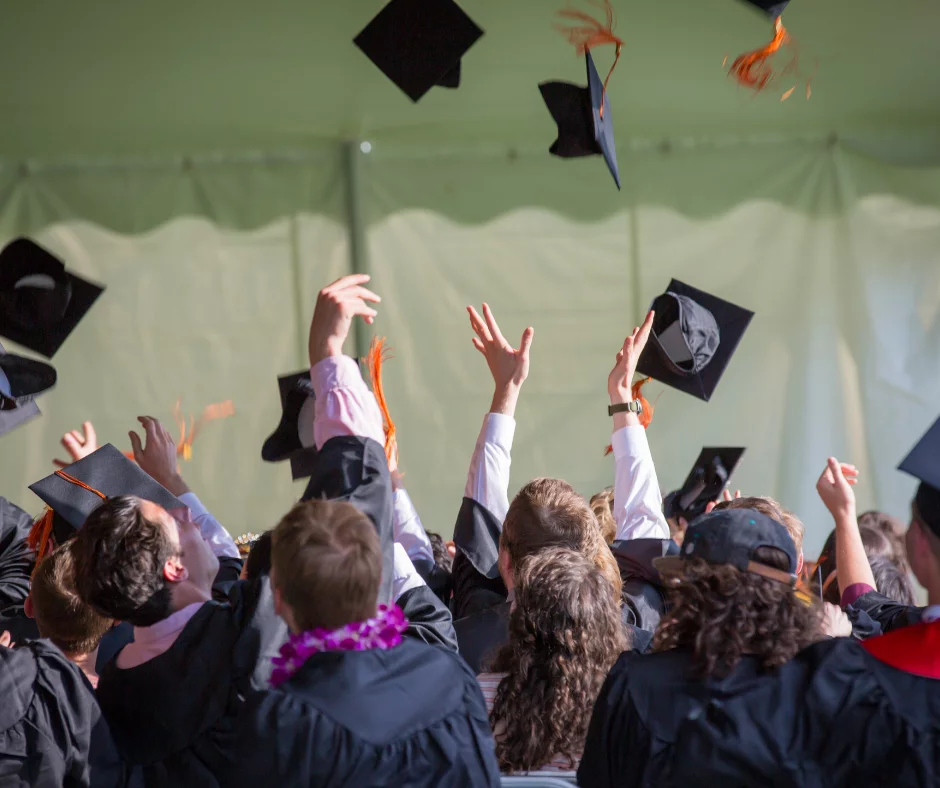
x,y
721,613
602,504
565,633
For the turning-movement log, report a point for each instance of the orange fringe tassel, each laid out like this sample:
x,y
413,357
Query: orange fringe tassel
x,y
378,352
39,538
590,34
755,71
646,416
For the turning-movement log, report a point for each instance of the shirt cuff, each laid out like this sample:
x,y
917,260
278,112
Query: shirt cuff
x,y
851,594
406,576
630,442
335,372
499,429
195,506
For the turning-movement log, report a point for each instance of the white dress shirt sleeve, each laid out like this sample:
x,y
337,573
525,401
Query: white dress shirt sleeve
x,y
409,532
406,576
638,503
488,479
344,405
220,540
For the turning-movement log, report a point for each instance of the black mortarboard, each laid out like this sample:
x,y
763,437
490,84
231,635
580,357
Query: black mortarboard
x,y
706,480
585,124
773,8
693,338
418,43
293,438
923,463
41,302
109,474
21,380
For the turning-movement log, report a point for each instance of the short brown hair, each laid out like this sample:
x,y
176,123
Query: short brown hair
x,y
327,564
773,510
550,513
74,627
893,530
602,504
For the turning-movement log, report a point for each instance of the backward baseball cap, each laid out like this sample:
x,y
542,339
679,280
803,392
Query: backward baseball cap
x,y
697,325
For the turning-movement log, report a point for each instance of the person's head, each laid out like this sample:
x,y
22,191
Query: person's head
x,y
258,562
892,581
549,513
565,633
602,504
442,557
326,566
140,564
923,540
770,508
73,627
732,593
892,531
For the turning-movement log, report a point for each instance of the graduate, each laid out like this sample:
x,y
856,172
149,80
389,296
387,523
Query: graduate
x,y
353,700
492,536
733,618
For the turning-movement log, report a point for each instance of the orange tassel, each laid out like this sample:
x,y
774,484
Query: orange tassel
x,y
220,410
646,416
590,34
755,71
378,353
39,538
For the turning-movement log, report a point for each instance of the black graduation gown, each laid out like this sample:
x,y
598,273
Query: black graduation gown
x,y
889,614
644,597
412,715
16,559
52,732
835,715
475,576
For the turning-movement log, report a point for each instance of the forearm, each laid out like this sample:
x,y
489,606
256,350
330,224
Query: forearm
x,y
488,478
851,560
223,546
638,505
409,532
344,405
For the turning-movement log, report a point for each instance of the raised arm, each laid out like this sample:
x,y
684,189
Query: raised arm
x,y
835,489
638,505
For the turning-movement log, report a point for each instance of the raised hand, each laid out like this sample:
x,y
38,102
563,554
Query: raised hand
x,y
835,623
337,305
835,488
78,444
725,496
621,376
509,366
158,456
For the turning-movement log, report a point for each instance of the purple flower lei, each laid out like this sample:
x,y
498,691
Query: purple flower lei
x,y
384,631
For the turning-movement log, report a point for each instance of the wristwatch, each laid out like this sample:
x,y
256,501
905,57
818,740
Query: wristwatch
x,y
634,406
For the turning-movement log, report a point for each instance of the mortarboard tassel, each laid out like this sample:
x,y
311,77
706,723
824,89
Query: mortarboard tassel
x,y
38,539
378,352
184,446
646,416
590,34
754,69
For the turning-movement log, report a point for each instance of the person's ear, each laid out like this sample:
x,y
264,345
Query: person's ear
x,y
174,570
28,607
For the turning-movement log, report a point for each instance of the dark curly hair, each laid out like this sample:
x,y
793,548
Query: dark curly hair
x,y
119,558
565,633
721,613
439,548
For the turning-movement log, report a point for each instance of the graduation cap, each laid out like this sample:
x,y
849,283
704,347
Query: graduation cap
x,y
923,463
21,380
419,43
773,8
41,302
708,477
293,438
74,492
693,338
585,124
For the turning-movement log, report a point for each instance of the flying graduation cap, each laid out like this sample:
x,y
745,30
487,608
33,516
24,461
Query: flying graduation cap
x,y
708,477
755,70
419,43
693,338
293,438
923,463
582,114
41,302
21,381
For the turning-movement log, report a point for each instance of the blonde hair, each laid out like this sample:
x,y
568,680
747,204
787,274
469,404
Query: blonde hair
x,y
602,504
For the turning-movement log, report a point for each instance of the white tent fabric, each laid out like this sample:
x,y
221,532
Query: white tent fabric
x,y
836,254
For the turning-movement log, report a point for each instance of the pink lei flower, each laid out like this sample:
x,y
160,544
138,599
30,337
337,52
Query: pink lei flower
x,y
384,631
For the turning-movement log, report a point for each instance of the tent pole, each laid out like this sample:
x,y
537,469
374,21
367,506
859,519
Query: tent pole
x,y
635,278
356,227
